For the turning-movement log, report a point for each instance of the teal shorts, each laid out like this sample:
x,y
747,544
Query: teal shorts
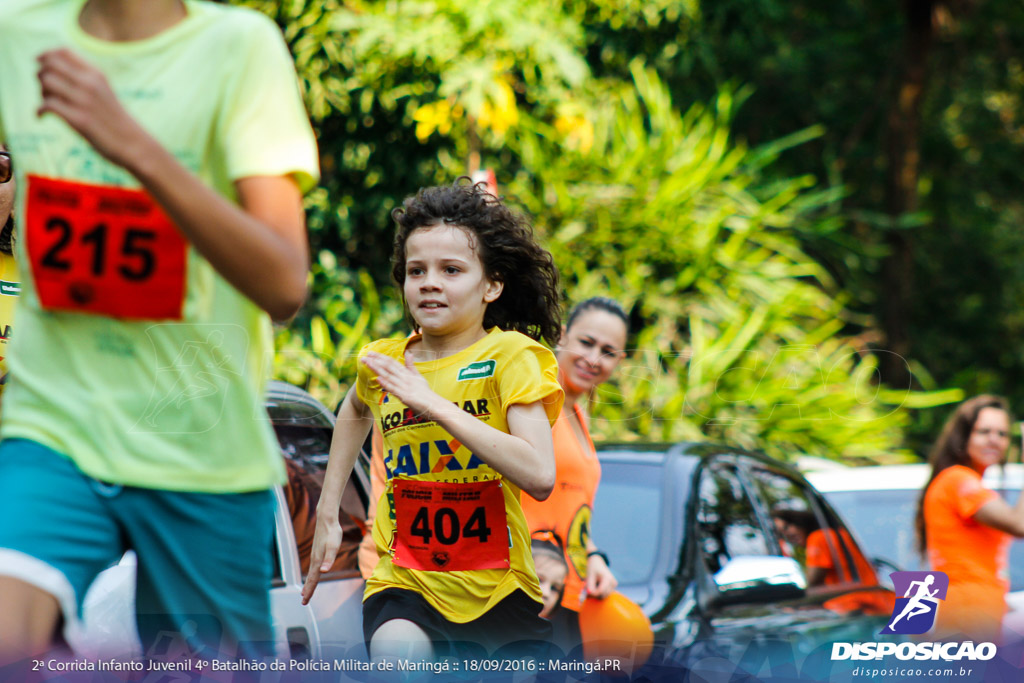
x,y
204,560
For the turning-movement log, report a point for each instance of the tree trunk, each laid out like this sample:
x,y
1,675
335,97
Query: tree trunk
x,y
903,152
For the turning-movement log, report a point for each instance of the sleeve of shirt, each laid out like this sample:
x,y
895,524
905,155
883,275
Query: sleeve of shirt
x,y
367,387
818,554
531,376
967,494
264,129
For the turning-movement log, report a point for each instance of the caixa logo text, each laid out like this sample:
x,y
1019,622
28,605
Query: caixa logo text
x,y
947,652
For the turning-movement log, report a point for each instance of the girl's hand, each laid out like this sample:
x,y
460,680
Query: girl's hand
x,y
405,382
326,541
600,580
80,94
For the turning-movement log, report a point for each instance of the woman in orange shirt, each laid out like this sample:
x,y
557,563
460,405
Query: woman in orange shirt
x,y
593,344
965,529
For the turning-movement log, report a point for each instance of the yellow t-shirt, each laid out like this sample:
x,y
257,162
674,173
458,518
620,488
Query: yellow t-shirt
x,y
10,287
170,402
500,370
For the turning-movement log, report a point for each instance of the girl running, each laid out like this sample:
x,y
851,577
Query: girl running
x,y
465,408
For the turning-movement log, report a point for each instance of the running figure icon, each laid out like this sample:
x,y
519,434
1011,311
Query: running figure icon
x,y
921,593
916,604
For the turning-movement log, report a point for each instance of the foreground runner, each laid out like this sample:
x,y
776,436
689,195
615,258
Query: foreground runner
x,y
162,148
465,411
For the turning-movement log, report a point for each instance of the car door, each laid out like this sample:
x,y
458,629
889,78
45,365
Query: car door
x,y
330,626
839,576
753,585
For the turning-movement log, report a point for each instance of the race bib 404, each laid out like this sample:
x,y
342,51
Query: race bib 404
x,y
103,250
447,527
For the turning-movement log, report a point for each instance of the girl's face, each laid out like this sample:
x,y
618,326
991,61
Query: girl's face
x,y
445,285
591,349
989,439
6,189
551,573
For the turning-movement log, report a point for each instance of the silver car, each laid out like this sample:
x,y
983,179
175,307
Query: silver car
x,y
330,626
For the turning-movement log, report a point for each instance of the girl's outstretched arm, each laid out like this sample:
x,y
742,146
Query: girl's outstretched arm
x,y
350,430
526,456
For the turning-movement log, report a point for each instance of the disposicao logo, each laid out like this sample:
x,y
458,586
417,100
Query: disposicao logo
x,y
914,614
915,611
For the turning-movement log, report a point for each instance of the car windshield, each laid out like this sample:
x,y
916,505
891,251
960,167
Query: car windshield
x,y
890,535
626,520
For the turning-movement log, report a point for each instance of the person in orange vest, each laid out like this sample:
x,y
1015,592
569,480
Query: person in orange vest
x,y
592,346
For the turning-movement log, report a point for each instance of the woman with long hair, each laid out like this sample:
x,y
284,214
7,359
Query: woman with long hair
x,y
965,529
592,346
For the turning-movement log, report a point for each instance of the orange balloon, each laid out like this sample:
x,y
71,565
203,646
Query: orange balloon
x,y
616,629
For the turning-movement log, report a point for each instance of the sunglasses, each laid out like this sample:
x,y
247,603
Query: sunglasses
x,y
6,167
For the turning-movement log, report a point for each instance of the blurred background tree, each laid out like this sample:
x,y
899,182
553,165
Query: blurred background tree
x,y
860,204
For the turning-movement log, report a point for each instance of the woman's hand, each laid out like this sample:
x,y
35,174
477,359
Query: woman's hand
x,y
326,542
405,382
600,580
80,94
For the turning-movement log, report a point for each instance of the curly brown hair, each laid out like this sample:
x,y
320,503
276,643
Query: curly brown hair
x,y
951,449
506,245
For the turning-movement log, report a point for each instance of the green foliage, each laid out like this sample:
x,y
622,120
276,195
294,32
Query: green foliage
x,y
744,335
318,350
741,338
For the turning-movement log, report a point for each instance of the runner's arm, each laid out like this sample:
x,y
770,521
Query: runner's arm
x,y
998,514
350,430
259,247
601,580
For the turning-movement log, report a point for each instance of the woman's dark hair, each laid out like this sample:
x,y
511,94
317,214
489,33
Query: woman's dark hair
x,y
597,303
548,548
7,233
7,236
951,449
507,248
805,520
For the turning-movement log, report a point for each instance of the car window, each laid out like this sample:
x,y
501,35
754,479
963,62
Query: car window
x,y
626,517
888,536
806,530
295,411
727,524
891,537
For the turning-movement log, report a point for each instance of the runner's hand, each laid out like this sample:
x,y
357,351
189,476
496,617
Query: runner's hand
x,y
405,382
326,542
600,580
80,94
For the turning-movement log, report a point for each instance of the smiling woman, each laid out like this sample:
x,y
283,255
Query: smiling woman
x,y
592,346
964,528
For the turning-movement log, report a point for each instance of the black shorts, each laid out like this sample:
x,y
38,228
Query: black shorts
x,y
512,627
566,636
